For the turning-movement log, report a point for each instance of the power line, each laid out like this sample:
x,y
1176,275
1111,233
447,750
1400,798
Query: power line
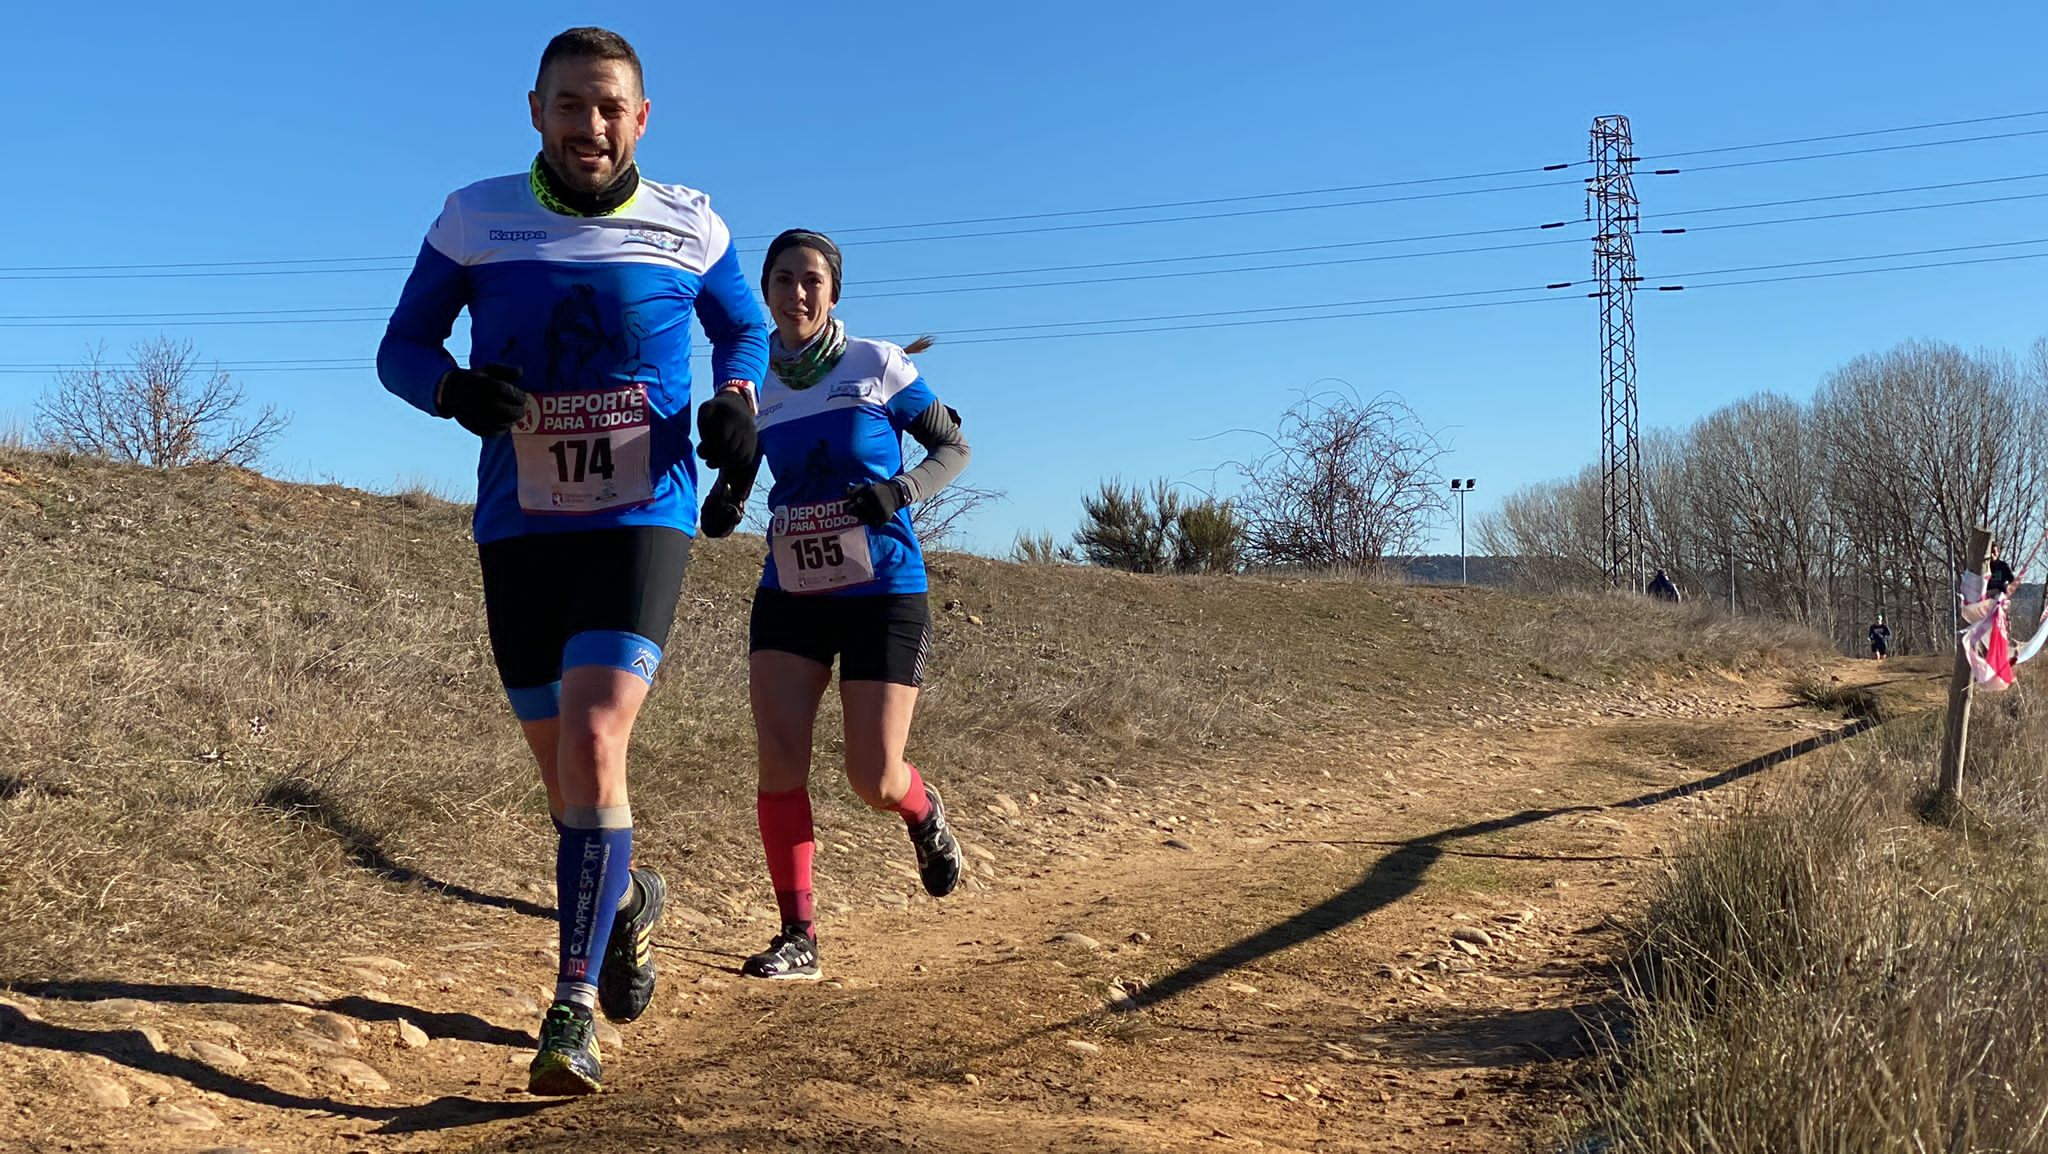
x,y
1856,213
206,274
209,322
1846,135
1548,287
1857,272
1243,317
341,364
1850,152
1326,246
79,320
197,264
1851,259
1263,321
1833,196
1329,246
257,267
380,313
947,334
1323,247
1207,200
1184,273
184,272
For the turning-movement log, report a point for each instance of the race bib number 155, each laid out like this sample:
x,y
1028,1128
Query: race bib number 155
x,y
584,452
819,547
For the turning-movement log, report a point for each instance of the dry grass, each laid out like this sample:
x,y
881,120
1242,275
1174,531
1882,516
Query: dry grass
x,y
250,718
1588,638
1835,975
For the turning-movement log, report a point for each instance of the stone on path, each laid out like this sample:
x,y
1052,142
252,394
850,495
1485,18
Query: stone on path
x,y
104,1090
1080,1047
361,1075
410,1036
1072,938
188,1117
334,1028
218,1056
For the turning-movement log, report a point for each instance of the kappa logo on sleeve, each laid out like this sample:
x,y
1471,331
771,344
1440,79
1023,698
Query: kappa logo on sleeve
x,y
517,235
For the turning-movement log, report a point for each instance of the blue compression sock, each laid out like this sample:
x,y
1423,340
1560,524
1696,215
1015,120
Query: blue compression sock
x,y
592,867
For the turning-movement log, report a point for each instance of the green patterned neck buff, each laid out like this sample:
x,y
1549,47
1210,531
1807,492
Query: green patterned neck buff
x,y
808,365
557,197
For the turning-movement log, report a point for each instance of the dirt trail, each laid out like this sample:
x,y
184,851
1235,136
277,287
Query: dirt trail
x,y
1259,958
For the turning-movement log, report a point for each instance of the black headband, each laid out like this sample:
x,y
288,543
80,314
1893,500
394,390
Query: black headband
x,y
817,242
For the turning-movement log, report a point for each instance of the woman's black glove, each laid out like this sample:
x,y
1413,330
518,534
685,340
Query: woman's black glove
x,y
876,504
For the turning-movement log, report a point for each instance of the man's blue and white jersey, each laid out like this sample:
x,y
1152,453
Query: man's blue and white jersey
x,y
847,429
595,312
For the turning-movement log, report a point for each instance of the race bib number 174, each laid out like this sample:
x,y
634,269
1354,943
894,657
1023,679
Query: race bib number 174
x,y
584,452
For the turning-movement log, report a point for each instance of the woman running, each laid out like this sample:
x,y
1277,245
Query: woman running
x,y
844,578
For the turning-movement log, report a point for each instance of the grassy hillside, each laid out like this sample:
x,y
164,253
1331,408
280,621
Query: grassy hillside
x,y
241,716
1889,968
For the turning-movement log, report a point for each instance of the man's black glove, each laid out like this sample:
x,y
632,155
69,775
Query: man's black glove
x,y
876,504
486,401
725,430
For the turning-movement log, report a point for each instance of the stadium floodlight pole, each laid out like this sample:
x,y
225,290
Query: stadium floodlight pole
x,y
1462,487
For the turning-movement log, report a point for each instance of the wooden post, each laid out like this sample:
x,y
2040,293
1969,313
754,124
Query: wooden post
x,y
1956,737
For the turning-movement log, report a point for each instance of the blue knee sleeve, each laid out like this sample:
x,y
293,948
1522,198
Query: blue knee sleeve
x,y
536,702
615,648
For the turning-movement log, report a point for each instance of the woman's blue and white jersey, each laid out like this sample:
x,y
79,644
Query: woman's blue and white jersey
x,y
595,312
845,430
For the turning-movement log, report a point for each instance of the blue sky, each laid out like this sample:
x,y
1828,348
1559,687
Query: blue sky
x,y
213,132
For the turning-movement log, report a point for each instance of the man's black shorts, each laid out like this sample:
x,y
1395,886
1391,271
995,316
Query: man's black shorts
x,y
542,589
885,637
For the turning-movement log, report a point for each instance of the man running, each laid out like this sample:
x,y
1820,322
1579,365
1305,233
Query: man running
x,y
1880,639
580,279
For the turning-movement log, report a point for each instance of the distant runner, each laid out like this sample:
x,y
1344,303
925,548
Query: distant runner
x,y
1880,639
844,579
1662,588
580,279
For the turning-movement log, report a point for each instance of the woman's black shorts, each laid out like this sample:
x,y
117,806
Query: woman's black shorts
x,y
885,637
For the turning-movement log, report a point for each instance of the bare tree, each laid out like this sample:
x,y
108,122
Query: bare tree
x,y
939,518
1831,512
1551,531
161,409
1342,484
1925,440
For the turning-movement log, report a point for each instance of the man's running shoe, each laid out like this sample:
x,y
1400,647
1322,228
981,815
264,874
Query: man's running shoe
x,y
938,854
625,984
568,1063
791,957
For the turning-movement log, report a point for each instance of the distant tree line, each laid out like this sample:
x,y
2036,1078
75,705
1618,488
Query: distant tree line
x,y
1831,511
